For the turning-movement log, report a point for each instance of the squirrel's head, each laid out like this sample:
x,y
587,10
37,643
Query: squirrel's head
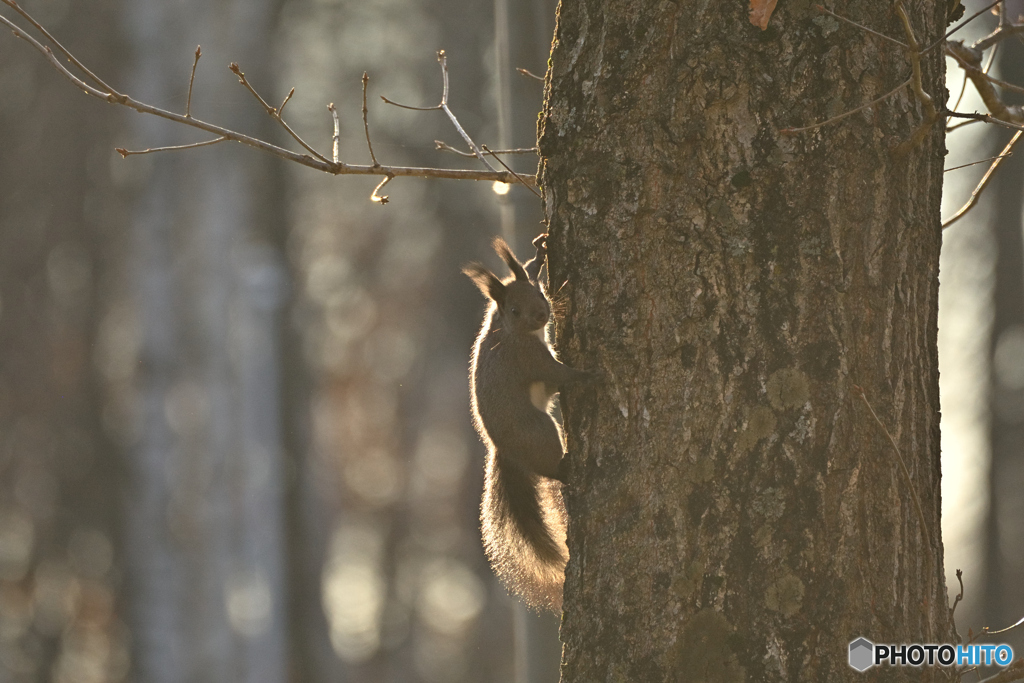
x,y
521,303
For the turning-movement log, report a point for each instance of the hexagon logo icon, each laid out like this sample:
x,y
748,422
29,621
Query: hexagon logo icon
x,y
862,654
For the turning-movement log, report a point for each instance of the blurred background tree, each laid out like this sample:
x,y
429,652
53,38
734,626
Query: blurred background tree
x,y
234,426
236,439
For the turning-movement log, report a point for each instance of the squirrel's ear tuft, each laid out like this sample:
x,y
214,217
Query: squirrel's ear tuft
x,y
487,281
510,259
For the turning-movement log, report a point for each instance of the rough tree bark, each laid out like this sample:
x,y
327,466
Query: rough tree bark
x,y
736,511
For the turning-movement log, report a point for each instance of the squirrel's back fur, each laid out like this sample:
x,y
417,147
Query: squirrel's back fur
x,y
522,516
513,376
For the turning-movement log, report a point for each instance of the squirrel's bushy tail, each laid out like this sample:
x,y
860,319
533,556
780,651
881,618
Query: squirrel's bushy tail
x,y
523,521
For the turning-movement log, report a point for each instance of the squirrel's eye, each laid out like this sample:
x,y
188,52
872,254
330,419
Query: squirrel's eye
x,y
515,311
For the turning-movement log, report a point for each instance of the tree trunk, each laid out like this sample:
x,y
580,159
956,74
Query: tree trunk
x,y
204,535
61,233
1004,542
737,513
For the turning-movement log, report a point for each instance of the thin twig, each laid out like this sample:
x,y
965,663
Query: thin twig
x,y
366,126
1004,31
930,114
975,163
443,60
985,118
191,80
983,183
272,112
379,198
530,74
915,62
990,59
67,55
1014,672
443,106
1002,84
287,98
960,26
125,153
336,168
109,96
952,610
1003,630
826,10
960,97
237,70
969,60
872,103
950,129
406,106
336,138
493,154
445,147
964,58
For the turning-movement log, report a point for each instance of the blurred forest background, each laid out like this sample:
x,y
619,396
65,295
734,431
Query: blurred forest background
x,y
234,416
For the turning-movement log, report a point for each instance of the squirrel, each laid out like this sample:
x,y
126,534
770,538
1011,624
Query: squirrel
x,y
513,377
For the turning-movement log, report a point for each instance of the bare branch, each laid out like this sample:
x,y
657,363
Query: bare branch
x,y
959,597
237,70
272,112
958,126
983,183
960,26
336,138
366,128
1002,84
506,167
975,163
969,60
960,97
989,60
455,122
530,74
984,118
191,80
1014,672
872,103
406,106
316,161
445,147
67,55
125,153
820,8
287,98
1003,630
378,198
443,106
1000,34
518,177
915,62
109,96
